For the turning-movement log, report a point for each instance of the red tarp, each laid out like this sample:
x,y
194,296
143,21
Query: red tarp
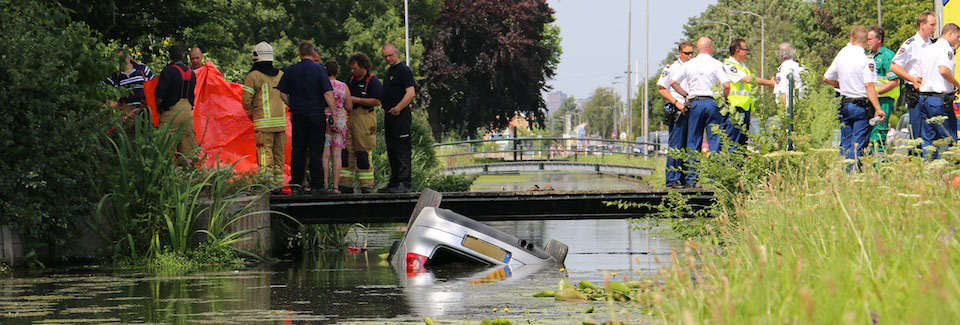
x,y
223,130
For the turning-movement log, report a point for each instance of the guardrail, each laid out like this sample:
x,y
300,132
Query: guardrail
x,y
550,147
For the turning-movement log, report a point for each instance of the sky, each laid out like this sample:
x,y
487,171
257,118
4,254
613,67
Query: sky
x,y
594,39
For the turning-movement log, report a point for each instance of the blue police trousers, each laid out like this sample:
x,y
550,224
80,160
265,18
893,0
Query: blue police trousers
x,y
855,134
701,114
737,133
677,140
931,106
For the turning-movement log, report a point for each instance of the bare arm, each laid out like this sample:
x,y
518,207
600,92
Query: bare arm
x,y
947,74
888,86
368,102
669,97
679,89
328,97
900,72
407,98
834,83
872,95
726,89
284,98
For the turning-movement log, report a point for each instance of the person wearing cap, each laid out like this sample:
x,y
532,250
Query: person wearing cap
x,y
306,88
263,104
888,89
361,126
855,75
701,74
175,99
937,92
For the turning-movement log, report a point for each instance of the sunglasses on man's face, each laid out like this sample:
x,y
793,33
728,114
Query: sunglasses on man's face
x,y
687,53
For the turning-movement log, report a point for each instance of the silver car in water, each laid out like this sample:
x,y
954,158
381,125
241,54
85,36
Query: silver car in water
x,y
438,236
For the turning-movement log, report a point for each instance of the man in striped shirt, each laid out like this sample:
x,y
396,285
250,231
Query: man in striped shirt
x,y
131,78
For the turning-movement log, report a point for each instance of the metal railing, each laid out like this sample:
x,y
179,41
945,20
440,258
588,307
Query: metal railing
x,y
545,148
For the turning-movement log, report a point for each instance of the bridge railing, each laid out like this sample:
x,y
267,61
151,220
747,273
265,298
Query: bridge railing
x,y
541,148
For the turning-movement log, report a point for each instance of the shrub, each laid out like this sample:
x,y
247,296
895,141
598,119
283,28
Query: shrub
x,y
53,114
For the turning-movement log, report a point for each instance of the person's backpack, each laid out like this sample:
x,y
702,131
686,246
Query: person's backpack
x,y
185,77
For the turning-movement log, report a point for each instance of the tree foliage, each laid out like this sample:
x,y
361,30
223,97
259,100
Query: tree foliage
x,y
598,111
557,119
53,115
488,63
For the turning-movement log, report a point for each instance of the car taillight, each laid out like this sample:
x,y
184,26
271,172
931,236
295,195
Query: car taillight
x,y
415,264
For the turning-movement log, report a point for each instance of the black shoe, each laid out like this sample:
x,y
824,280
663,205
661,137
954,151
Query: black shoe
x,y
345,190
404,188
676,186
388,189
365,190
321,191
296,190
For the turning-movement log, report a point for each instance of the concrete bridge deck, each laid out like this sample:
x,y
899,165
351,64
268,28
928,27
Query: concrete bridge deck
x,y
483,206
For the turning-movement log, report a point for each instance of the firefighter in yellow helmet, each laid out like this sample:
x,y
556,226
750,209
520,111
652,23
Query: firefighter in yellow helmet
x,y
262,102
361,126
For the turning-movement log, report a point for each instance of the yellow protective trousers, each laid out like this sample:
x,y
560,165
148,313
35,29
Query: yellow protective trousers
x,y
270,153
360,142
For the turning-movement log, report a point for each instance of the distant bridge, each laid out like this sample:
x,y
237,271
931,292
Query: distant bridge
x,y
536,166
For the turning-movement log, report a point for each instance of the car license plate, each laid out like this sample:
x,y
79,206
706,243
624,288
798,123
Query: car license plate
x,y
486,249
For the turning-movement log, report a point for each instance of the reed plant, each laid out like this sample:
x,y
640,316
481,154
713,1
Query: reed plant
x,y
815,244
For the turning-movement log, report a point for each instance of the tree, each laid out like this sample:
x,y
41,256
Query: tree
x,y
598,111
53,116
488,63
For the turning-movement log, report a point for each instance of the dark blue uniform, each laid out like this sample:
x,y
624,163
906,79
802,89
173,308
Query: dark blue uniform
x,y
397,127
305,83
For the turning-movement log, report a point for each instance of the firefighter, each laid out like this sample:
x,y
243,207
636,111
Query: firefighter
x,y
262,102
361,126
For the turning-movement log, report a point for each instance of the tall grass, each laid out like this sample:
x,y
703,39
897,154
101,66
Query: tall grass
x,y
152,198
813,244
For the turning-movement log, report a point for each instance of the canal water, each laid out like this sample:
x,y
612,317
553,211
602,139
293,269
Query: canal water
x,y
353,287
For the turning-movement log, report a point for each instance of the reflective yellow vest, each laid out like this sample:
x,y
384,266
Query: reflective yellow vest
x,y
741,93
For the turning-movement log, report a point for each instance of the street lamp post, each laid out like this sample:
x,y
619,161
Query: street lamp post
x,y
617,111
729,29
762,38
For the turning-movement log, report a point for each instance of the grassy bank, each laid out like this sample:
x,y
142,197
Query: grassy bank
x,y
658,163
813,244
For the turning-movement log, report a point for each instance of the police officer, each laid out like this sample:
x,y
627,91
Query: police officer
x,y
361,126
261,100
855,74
701,73
887,85
676,117
788,66
737,125
398,92
906,65
938,88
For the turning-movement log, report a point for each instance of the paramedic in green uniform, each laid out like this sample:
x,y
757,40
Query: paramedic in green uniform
x,y
887,86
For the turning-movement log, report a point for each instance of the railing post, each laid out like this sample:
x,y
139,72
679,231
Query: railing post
x,y
790,82
515,142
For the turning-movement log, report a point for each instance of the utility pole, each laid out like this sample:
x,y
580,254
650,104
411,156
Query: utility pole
x,y
879,15
629,71
646,83
406,30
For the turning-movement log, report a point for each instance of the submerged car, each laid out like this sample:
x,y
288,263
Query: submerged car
x,y
438,236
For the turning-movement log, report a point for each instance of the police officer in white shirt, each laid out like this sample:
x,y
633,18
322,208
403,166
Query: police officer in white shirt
x,y
906,66
700,74
676,117
855,74
788,66
938,88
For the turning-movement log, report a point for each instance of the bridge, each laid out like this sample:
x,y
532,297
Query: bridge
x,y
482,206
548,165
